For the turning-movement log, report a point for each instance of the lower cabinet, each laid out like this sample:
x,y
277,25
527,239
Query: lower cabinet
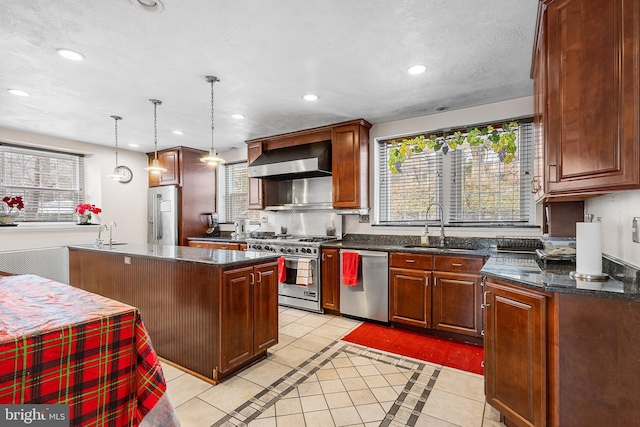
x,y
249,313
218,245
330,274
515,344
410,296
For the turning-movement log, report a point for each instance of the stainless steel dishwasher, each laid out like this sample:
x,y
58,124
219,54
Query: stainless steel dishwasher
x,y
369,299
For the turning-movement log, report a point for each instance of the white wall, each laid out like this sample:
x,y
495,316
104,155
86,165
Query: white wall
x,y
617,211
123,203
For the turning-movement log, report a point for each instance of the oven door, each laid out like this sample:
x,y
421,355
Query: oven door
x,y
293,287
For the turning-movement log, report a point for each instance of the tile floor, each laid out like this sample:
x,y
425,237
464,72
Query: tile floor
x,y
311,378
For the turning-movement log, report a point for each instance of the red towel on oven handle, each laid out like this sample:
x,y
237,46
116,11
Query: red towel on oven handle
x,y
350,265
282,270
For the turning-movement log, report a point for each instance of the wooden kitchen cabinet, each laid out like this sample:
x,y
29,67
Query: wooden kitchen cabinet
x,y
587,75
218,245
515,344
330,273
249,313
540,116
350,163
409,289
196,183
255,189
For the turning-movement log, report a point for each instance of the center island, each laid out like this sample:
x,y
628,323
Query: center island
x,y
211,312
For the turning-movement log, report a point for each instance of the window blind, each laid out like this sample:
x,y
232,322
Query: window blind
x,y
51,183
484,189
405,196
236,190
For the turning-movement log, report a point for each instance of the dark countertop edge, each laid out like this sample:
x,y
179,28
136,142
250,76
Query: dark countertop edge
x,y
216,239
117,250
481,252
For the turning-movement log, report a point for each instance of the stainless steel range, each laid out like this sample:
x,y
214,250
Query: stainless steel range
x,y
294,290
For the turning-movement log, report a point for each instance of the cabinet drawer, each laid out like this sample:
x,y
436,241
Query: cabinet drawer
x,y
456,263
212,245
410,260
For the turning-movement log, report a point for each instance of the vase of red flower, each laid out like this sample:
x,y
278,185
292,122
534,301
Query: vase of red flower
x,y
10,208
84,211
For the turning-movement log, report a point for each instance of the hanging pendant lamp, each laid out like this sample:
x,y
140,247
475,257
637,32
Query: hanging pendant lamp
x,y
212,158
120,173
155,166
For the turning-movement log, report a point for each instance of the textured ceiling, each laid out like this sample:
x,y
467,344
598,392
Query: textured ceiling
x,y
267,53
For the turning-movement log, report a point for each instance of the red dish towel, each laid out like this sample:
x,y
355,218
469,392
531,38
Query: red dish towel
x,y
282,270
350,264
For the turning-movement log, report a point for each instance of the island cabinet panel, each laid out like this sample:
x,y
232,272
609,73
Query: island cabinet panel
x,y
593,89
330,275
207,319
516,353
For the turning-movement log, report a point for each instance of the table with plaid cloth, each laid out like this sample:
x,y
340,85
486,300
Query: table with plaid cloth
x,y
60,344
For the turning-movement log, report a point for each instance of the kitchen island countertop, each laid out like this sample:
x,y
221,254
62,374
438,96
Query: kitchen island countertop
x,y
217,257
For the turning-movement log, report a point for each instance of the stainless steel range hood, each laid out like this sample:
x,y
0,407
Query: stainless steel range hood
x,y
300,161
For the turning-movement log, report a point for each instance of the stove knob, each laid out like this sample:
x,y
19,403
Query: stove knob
x,y
282,250
267,248
306,250
289,250
257,247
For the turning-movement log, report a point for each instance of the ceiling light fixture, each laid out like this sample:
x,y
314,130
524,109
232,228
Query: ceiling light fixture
x,y
177,132
310,97
153,6
212,158
155,166
120,173
238,116
70,54
443,108
18,92
416,69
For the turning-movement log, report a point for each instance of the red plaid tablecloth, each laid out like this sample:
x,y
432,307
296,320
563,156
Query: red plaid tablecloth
x,y
60,344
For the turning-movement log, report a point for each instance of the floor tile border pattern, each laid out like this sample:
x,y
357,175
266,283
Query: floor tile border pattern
x,y
405,410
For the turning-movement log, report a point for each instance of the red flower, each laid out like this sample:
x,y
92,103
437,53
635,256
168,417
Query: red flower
x,y
13,202
87,208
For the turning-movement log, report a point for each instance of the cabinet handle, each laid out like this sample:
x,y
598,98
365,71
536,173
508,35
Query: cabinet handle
x,y
482,332
455,264
535,186
324,258
484,300
410,260
482,364
252,281
259,276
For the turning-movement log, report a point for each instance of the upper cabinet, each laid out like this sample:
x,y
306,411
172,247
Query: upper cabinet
x,y
349,163
587,89
170,160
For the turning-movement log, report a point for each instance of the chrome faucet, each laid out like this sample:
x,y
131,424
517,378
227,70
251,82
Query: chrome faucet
x,y
426,222
99,239
113,224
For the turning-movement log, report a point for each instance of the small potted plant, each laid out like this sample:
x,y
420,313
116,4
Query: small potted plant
x,y
10,208
84,211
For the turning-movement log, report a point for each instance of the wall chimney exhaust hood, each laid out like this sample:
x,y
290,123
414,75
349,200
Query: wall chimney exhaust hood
x,y
300,161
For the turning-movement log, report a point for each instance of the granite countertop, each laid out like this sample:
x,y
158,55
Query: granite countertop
x,y
418,249
523,269
216,257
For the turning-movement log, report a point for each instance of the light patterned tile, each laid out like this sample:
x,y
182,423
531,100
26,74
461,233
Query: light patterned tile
x,y
313,403
263,422
332,386
491,413
285,319
170,372
344,322
371,412
454,409
329,331
295,330
367,370
291,356
313,320
429,421
456,382
338,400
349,372
288,407
325,373
312,343
198,413
309,388
230,394
384,394
491,423
362,397
342,362
264,373
355,383
345,416
185,387
318,419
296,420
395,379
283,341
375,381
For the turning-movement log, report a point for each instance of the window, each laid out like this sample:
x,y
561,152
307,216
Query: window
x,y
472,184
50,183
235,190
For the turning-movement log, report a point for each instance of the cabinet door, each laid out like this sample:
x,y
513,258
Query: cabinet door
x,y
515,353
350,163
255,188
330,275
265,307
594,93
456,303
410,297
236,329
170,160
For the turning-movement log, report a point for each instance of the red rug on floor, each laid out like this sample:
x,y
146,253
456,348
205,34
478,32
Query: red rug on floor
x,y
430,349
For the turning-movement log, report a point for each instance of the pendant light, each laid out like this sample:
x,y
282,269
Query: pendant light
x,y
120,173
212,158
155,164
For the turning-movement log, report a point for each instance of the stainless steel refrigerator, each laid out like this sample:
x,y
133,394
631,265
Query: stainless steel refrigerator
x,y
162,208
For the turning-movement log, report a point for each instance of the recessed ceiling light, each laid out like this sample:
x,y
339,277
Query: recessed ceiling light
x,y
310,97
18,92
177,132
153,6
70,54
417,69
133,145
237,116
442,108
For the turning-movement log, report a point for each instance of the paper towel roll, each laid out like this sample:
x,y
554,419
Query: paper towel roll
x,y
589,248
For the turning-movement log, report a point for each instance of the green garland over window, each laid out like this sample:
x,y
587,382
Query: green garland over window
x,y
501,140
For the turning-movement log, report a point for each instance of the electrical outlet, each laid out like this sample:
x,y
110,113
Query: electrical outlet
x,y
264,220
363,219
127,260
